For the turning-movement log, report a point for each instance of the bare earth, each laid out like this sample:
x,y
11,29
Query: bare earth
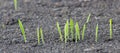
x,y
45,14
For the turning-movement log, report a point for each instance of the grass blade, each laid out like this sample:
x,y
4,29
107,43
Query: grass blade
x,y
110,24
38,36
77,31
66,31
83,31
59,30
88,18
72,28
15,4
41,35
96,33
22,30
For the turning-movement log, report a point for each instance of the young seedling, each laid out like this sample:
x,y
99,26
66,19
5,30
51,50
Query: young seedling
x,y
88,18
41,35
77,31
72,28
38,35
96,33
22,30
15,4
110,24
59,30
83,31
66,31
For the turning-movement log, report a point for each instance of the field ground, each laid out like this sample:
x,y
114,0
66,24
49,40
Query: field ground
x,y
45,14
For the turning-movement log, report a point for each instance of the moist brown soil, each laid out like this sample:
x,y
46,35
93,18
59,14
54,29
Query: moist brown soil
x,y
45,14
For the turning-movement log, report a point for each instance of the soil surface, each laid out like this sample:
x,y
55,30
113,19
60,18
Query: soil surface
x,y
45,14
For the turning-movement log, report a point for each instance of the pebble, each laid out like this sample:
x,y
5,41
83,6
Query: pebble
x,y
14,40
91,49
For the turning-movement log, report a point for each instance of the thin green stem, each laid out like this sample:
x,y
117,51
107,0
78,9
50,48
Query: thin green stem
x,y
88,18
77,31
96,34
42,37
38,36
66,31
110,24
83,31
15,4
72,28
22,30
59,30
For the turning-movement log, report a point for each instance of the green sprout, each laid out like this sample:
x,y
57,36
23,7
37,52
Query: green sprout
x,y
59,30
88,18
83,31
22,30
66,31
38,36
110,24
41,35
96,33
15,4
77,31
72,28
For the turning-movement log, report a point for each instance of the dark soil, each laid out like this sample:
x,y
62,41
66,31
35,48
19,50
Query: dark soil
x,y
45,14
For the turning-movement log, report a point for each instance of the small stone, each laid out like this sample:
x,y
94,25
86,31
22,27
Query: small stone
x,y
15,41
93,48
34,44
